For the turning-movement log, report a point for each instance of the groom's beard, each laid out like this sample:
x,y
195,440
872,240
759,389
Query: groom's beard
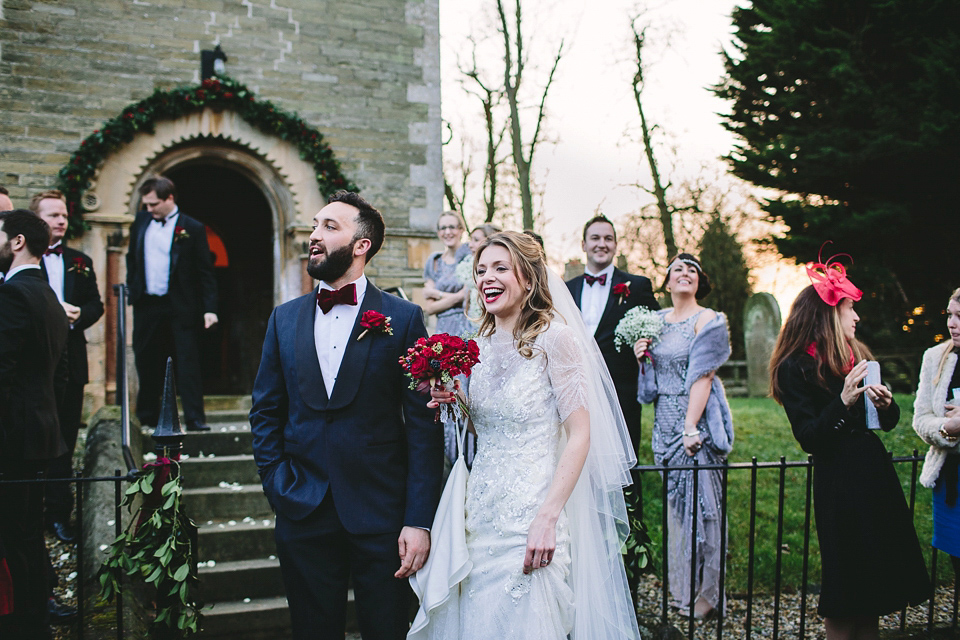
x,y
333,266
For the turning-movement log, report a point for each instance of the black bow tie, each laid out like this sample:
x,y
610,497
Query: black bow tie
x,y
589,279
162,221
326,299
57,251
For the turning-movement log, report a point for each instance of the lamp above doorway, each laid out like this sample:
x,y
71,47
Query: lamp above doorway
x,y
212,62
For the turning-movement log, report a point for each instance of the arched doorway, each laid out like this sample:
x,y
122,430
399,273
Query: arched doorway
x,y
237,213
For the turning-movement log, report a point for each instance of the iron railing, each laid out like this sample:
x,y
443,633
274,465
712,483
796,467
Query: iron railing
x,y
753,469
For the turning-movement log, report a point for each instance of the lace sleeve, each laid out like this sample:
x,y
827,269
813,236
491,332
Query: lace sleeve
x,y
565,368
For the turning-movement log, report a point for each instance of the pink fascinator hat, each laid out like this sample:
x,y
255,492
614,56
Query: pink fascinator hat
x,y
830,279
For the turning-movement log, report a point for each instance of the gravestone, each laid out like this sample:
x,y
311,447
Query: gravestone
x,y
761,325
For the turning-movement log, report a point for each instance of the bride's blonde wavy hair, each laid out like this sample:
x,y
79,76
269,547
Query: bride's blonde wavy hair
x,y
536,309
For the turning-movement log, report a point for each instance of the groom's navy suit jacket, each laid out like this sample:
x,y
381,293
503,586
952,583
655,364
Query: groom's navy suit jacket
x,y
374,444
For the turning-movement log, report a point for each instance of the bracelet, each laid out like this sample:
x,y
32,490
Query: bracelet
x,y
692,434
943,434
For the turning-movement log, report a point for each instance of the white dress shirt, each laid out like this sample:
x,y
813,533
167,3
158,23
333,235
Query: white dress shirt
x,y
331,331
157,242
54,266
593,299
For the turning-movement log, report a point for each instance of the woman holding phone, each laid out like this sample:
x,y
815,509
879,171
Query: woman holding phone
x,y
870,555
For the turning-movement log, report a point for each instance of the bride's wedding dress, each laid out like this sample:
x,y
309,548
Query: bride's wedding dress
x,y
517,406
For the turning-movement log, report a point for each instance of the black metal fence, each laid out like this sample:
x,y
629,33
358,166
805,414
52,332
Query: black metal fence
x,y
83,581
656,516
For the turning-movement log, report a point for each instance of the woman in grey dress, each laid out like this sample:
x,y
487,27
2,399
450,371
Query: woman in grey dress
x,y
443,290
692,422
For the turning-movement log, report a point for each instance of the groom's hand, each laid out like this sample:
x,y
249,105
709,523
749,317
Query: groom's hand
x,y
414,546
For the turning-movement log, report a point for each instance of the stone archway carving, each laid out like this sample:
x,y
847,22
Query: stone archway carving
x,y
274,165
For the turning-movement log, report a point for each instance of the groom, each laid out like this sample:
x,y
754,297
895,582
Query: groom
x,y
350,458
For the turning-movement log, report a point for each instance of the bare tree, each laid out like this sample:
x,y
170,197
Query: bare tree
x,y
658,191
461,170
514,65
489,98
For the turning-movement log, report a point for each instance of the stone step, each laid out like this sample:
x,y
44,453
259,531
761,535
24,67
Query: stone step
x,y
239,579
220,541
237,503
259,619
210,472
220,441
214,403
229,416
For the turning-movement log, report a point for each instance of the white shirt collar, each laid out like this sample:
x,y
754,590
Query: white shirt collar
x,y
171,217
608,271
17,270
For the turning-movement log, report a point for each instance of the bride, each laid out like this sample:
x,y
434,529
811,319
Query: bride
x,y
544,514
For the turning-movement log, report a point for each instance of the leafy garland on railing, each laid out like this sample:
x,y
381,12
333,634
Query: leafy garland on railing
x,y
216,93
160,547
637,552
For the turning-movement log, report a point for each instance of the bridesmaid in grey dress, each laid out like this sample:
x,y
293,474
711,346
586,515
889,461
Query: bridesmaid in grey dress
x,y
692,422
443,290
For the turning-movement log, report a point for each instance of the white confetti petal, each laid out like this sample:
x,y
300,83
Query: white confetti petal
x,y
64,557
247,600
266,523
232,523
110,523
103,547
73,574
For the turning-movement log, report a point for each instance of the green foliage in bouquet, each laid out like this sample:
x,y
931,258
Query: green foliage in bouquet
x,y
159,546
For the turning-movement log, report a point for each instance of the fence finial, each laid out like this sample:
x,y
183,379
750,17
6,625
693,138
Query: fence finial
x,y
168,435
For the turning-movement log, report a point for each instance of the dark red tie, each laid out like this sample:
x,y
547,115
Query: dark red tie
x,y
57,250
589,279
326,298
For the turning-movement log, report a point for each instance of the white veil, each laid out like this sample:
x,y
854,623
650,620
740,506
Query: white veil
x,y
596,510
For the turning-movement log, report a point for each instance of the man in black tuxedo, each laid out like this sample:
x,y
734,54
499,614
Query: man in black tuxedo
x,y
33,377
70,274
596,293
174,295
350,458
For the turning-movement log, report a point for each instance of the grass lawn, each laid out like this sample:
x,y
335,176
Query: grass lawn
x,y
762,431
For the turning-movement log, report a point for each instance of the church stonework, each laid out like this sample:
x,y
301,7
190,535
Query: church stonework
x,y
365,73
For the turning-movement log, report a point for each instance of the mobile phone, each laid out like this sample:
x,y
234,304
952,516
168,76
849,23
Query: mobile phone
x,y
873,377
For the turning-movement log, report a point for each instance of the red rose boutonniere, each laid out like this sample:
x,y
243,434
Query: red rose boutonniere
x,y
80,267
622,290
179,233
374,321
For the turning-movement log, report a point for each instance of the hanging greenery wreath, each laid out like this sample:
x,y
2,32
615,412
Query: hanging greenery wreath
x,y
216,93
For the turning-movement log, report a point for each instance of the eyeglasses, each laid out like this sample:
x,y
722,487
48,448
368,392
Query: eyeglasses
x,y
449,227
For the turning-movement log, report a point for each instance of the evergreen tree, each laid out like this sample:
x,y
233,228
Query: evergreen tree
x,y
851,111
722,258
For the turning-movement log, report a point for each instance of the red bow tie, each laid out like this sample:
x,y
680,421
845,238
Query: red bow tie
x,y
326,298
57,250
589,279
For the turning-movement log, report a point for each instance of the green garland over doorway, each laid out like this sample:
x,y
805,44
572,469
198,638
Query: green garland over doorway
x,y
216,93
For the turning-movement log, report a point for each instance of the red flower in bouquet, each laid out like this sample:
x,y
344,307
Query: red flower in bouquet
x,y
439,359
622,290
376,322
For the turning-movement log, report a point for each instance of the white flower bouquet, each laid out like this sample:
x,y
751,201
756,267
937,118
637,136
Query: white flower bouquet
x,y
638,323
464,271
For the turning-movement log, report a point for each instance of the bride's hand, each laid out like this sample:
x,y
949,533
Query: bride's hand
x,y
440,395
541,543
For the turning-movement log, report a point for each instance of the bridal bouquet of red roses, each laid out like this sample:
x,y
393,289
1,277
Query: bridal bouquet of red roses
x,y
438,360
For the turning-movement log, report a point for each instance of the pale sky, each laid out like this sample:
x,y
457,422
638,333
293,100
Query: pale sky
x,y
592,116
